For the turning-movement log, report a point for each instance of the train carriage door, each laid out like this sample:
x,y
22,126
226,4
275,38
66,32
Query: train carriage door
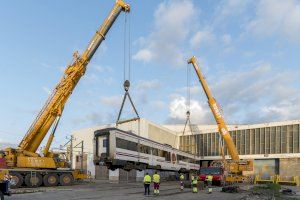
x,y
173,157
102,146
152,155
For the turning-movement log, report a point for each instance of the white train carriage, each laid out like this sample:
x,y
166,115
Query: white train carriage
x,y
119,149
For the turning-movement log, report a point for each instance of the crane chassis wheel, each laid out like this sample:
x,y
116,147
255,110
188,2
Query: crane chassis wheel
x,y
33,180
51,180
17,180
66,179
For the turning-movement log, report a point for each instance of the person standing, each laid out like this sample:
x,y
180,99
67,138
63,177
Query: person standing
x,y
156,181
181,178
7,180
209,179
195,184
147,182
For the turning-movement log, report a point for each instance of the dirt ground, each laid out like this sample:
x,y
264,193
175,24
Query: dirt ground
x,y
121,191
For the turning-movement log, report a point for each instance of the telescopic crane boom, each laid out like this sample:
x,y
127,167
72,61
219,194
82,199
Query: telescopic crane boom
x,y
235,166
55,104
25,155
223,130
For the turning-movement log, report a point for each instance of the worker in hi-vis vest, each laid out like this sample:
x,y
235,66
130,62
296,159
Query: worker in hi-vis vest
x,y
156,181
147,182
209,179
195,184
181,178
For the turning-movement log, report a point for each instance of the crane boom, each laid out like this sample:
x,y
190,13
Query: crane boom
x,y
223,130
56,102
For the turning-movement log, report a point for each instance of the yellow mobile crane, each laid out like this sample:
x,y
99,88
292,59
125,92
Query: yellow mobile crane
x,y
24,163
235,166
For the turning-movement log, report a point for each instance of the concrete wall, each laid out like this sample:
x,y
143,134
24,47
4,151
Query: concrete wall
x,y
289,167
163,136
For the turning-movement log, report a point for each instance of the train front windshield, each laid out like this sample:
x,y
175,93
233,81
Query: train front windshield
x,y
213,171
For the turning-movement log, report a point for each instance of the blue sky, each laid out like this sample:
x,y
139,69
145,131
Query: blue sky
x,y
248,51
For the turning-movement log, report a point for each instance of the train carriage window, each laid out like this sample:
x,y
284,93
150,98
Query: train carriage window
x,y
184,159
144,149
154,151
105,143
167,156
179,157
161,153
120,143
132,146
125,144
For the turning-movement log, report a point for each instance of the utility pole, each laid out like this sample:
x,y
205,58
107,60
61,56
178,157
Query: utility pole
x,y
80,145
71,151
81,155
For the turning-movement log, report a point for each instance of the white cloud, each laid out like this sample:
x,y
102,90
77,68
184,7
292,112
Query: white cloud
x,y
178,108
277,17
228,9
201,38
91,118
285,109
143,55
159,105
173,22
258,93
109,81
261,93
47,90
194,89
45,65
148,84
113,101
226,39
102,68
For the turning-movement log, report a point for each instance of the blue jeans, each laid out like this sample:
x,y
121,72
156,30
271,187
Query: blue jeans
x,y
147,188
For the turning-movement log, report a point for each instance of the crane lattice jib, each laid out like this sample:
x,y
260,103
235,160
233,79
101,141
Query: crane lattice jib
x,y
57,100
223,130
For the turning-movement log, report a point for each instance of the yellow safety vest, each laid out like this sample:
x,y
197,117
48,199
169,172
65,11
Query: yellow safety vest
x,y
194,182
156,178
147,179
209,178
181,177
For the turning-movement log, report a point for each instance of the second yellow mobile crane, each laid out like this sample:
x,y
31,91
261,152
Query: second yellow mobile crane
x,y
235,166
24,163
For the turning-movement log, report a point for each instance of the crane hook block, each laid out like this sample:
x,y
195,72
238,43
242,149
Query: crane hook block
x,y
188,113
126,85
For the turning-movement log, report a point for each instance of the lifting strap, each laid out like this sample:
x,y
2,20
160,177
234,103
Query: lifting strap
x,y
188,113
127,69
127,94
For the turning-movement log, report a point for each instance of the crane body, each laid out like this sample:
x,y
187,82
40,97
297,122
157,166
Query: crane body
x,y
25,156
235,165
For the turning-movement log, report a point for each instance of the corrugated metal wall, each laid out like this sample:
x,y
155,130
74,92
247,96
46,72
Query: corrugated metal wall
x,y
267,140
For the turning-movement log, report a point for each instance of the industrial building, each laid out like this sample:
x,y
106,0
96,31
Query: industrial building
x,y
273,146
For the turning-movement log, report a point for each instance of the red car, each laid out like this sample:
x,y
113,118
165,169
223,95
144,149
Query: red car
x,y
216,172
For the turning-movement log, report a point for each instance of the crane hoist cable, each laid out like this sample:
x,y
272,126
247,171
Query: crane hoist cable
x,y
127,71
127,48
188,113
126,84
